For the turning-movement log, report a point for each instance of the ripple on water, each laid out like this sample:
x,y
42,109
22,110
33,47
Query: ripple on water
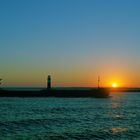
x,y
76,118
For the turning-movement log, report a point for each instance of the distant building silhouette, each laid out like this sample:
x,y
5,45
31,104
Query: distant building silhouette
x,y
49,82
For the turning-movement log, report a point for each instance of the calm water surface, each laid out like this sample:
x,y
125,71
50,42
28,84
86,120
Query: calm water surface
x,y
115,118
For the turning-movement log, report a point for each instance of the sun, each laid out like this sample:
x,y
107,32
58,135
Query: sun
x,y
114,85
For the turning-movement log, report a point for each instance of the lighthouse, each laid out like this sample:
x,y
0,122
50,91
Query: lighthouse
x,y
49,82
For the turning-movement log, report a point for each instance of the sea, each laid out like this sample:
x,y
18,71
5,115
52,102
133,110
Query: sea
x,y
113,118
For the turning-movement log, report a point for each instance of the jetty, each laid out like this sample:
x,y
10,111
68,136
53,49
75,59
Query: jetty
x,y
54,92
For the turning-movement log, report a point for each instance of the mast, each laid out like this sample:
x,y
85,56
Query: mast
x,y
98,81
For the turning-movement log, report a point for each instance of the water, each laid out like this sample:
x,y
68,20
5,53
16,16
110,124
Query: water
x,y
115,118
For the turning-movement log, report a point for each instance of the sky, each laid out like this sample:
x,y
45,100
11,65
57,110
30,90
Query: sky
x,y
74,41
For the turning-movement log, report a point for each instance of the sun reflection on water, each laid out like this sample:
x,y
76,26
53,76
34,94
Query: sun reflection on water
x,y
118,129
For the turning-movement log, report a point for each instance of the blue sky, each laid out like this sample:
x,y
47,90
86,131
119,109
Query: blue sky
x,y
73,40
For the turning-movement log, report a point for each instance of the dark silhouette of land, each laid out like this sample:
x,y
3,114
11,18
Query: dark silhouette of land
x,y
50,92
123,89
98,93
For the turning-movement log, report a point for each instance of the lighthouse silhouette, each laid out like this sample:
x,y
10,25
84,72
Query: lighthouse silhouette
x,y
49,82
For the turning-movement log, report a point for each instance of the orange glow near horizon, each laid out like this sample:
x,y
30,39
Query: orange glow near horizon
x,y
71,79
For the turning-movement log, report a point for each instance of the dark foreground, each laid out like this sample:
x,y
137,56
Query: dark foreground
x,y
98,93
114,118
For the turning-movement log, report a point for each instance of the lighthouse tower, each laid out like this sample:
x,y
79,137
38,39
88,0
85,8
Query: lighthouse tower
x,y
49,82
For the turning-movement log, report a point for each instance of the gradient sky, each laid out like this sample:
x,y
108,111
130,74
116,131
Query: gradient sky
x,y
73,40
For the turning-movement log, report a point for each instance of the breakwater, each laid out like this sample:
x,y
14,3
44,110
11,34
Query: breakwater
x,y
99,93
